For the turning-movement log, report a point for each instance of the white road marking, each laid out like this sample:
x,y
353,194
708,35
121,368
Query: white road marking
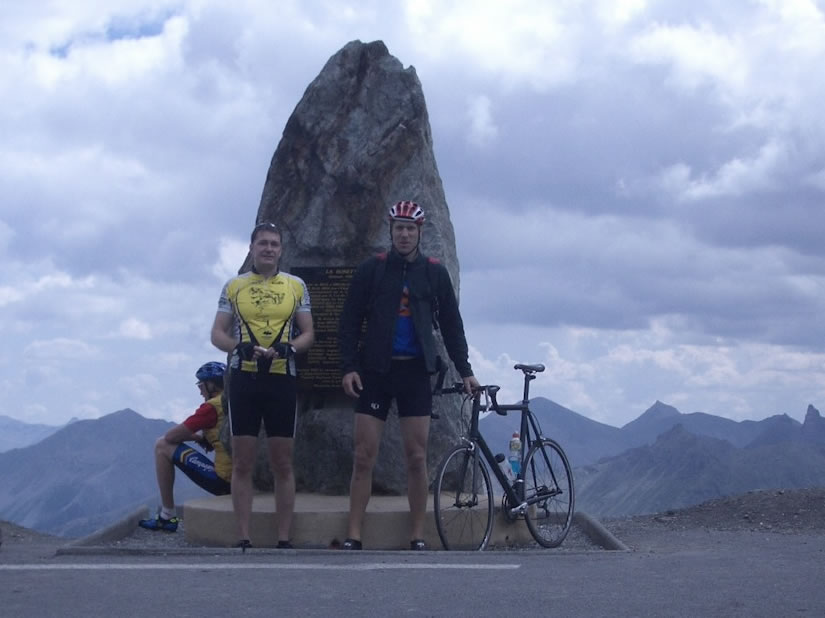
x,y
165,566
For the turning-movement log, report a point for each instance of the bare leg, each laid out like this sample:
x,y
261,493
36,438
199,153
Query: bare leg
x,y
280,460
165,471
414,432
243,464
367,439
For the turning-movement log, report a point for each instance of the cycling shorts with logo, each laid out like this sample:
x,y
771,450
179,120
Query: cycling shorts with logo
x,y
407,382
200,469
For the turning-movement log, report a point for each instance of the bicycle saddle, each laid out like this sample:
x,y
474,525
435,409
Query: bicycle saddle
x,y
538,368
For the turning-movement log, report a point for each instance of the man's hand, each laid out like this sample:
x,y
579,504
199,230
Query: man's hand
x,y
470,384
246,351
283,350
352,384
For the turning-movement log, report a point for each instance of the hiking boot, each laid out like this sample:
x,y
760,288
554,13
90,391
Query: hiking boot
x,y
351,544
158,523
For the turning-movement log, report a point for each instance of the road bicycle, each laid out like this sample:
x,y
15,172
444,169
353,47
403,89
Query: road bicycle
x,y
542,492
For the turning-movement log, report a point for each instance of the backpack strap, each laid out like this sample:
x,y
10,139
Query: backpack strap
x,y
432,276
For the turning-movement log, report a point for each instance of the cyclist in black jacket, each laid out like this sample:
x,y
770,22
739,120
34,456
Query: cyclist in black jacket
x,y
403,296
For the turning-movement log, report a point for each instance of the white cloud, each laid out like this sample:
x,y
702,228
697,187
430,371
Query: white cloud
x,y
231,254
139,386
34,413
517,41
26,289
60,348
175,360
133,328
734,178
85,410
617,13
483,129
803,23
697,56
9,295
616,376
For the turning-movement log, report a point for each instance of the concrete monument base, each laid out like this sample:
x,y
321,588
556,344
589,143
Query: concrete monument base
x,y
321,521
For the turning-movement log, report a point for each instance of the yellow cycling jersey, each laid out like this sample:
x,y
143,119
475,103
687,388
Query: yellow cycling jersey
x,y
223,461
264,311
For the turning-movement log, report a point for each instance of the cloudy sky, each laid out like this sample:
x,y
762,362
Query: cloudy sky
x,y
637,189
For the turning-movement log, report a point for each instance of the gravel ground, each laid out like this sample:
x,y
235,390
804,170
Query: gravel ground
x,y
774,512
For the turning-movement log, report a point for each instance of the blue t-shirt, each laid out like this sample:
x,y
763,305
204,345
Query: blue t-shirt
x,y
405,343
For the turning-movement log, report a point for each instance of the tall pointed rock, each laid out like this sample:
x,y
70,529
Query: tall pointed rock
x,y
358,141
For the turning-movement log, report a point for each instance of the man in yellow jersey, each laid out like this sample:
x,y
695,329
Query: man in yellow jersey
x,y
172,451
263,320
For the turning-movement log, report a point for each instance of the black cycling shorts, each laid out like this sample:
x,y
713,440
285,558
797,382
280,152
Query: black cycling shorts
x,y
267,397
407,382
200,469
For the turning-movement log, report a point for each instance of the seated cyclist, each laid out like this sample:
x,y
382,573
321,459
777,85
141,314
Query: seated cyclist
x,y
172,451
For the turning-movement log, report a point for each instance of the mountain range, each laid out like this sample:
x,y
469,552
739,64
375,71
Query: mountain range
x,y
17,434
587,441
89,473
85,475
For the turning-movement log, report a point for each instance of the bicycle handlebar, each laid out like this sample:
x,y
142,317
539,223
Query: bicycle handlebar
x,y
457,387
490,391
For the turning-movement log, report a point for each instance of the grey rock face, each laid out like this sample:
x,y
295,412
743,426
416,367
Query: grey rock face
x,y
358,141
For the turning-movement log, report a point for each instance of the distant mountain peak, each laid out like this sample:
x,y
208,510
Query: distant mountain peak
x,y
661,410
124,412
812,415
654,413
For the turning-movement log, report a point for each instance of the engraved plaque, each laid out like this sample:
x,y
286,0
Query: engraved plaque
x,y
320,368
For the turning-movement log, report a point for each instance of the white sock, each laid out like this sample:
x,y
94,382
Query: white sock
x,y
167,513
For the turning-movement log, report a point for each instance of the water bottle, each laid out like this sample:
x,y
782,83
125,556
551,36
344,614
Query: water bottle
x,y
515,454
504,466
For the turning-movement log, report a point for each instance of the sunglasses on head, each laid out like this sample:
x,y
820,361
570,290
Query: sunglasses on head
x,y
266,226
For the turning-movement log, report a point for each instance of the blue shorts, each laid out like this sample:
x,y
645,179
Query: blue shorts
x,y
200,469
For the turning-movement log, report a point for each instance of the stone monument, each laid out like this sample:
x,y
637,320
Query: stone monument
x,y
358,141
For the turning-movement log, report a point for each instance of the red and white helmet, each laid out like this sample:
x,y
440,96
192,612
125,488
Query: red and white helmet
x,y
407,211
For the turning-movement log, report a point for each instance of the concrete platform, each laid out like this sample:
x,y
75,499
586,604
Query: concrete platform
x,y
321,521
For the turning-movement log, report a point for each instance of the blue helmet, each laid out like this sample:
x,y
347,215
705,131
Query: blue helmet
x,y
212,371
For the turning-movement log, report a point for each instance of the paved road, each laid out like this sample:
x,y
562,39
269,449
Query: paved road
x,y
706,574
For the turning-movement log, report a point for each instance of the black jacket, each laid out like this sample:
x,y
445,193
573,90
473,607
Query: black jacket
x,y
380,308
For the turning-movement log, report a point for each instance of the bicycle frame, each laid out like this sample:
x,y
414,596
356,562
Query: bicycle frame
x,y
530,434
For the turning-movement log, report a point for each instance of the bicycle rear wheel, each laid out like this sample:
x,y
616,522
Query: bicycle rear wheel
x,y
548,487
463,500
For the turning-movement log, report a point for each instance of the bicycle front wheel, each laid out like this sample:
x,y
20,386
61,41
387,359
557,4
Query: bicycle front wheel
x,y
463,500
548,491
